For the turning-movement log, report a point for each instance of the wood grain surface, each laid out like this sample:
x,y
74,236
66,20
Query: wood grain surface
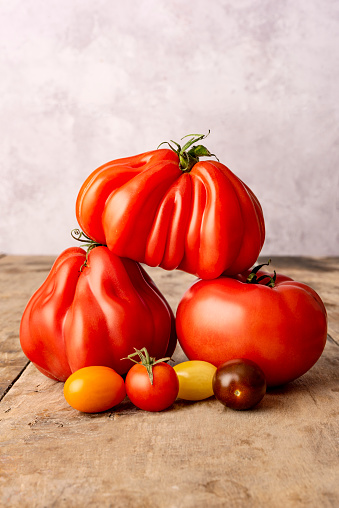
x,y
284,453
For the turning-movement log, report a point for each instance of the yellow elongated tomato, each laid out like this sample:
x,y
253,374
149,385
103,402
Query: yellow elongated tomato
x,y
195,379
94,389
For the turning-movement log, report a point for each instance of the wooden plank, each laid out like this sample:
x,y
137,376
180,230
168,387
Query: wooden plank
x,y
20,276
284,453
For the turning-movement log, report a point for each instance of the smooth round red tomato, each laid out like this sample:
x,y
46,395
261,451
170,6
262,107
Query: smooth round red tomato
x,y
152,385
195,379
282,328
94,389
239,384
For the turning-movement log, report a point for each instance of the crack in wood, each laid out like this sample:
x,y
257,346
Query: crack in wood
x,y
14,381
332,340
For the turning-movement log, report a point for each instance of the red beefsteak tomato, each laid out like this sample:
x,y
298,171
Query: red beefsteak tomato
x,y
281,327
166,208
94,315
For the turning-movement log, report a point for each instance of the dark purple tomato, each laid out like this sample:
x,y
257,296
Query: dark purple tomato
x,y
239,384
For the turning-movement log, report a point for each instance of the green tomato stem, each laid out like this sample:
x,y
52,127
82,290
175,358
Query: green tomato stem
x,y
146,360
188,158
88,243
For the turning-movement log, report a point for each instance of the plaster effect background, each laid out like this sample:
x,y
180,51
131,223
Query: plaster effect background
x,y
82,83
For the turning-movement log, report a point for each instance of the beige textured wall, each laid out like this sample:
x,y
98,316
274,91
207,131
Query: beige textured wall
x,y
85,82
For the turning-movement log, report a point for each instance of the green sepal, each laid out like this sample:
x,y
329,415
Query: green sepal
x,y
146,360
88,243
189,157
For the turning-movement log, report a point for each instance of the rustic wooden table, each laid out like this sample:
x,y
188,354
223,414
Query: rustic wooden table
x,y
284,453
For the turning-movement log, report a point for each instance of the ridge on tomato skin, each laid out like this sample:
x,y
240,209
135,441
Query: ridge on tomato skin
x,y
167,208
91,310
282,328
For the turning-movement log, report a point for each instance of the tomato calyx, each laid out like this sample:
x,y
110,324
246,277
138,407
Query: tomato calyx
x,y
146,360
254,279
188,158
89,243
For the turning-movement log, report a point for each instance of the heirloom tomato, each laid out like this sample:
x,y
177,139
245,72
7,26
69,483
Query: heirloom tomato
x,y
94,389
166,208
195,379
92,311
276,322
152,385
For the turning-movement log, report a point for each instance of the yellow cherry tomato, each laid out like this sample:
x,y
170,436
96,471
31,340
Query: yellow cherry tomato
x,y
195,379
94,389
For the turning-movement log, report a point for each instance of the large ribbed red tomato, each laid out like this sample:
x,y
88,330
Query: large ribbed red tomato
x,y
166,208
282,327
94,315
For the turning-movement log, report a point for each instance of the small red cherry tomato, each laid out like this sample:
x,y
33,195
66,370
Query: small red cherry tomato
x,y
151,385
239,384
94,389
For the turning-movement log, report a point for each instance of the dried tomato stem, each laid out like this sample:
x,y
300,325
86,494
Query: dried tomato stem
x,y
253,279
